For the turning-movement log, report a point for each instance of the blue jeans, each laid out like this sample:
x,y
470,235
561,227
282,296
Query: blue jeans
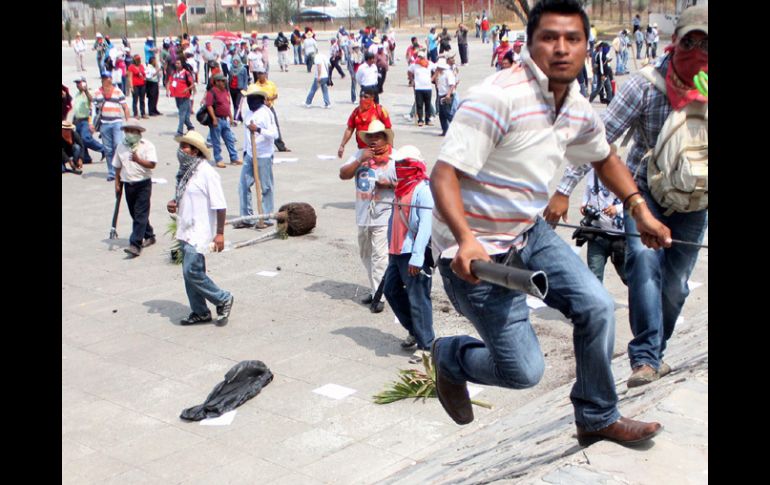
x,y
297,54
353,83
309,59
265,165
509,355
445,113
409,297
88,140
484,38
599,250
622,60
639,49
324,89
183,106
112,136
223,130
433,55
198,286
657,281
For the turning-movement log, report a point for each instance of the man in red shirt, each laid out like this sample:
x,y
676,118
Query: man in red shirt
x,y
218,104
362,116
136,83
484,30
502,49
181,86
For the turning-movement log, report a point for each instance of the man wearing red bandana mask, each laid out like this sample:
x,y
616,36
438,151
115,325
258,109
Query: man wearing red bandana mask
x,y
409,275
374,173
657,279
366,112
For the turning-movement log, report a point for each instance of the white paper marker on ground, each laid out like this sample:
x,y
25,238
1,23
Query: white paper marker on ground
x,y
693,284
267,273
334,391
326,157
679,320
534,303
160,181
276,161
224,420
474,390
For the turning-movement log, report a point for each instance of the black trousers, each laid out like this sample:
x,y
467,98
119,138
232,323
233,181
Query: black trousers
x,y
463,48
422,100
381,80
235,95
138,94
152,98
336,65
138,200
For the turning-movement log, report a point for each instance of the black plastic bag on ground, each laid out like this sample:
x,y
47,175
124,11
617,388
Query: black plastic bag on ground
x,y
244,381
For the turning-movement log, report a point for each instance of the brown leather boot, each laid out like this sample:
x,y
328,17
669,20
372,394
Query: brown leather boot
x,y
624,431
642,375
453,397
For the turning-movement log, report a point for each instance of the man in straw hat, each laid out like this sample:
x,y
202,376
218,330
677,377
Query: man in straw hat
x,y
374,173
200,206
408,278
257,118
134,160
657,279
490,183
80,52
72,149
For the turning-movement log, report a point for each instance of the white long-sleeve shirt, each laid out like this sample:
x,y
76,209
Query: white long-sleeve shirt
x,y
264,119
367,75
79,46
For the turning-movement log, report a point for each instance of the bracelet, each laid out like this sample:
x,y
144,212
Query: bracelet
x,y
635,203
625,201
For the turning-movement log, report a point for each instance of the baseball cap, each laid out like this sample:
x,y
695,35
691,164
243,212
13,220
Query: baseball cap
x,y
693,18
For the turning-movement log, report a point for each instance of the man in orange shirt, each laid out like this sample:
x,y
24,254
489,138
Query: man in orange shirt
x,y
362,116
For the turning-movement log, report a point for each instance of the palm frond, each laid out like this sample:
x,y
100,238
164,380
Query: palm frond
x,y
415,384
176,249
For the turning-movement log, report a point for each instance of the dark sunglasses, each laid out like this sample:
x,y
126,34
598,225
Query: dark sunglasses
x,y
689,43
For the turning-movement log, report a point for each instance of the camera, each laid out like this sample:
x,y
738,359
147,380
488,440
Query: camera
x,y
590,214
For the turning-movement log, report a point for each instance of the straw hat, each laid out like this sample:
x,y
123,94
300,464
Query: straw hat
x,y
195,139
132,124
66,125
254,89
376,126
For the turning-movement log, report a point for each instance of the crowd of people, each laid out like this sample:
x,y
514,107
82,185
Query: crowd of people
x,y
486,198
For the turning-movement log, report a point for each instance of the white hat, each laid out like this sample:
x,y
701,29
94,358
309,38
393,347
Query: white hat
x,y
408,151
99,34
442,64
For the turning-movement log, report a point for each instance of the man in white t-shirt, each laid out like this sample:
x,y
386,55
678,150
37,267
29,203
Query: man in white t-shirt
x,y
134,160
490,184
254,60
373,170
445,81
368,75
420,73
200,206
320,79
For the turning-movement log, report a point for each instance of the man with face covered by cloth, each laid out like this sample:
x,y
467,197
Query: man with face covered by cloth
x,y
366,112
657,279
373,170
257,118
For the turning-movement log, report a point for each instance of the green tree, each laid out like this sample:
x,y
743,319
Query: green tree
x,y
108,22
68,28
281,11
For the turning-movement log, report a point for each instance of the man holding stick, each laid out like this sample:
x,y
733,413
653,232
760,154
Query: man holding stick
x,y
261,132
490,183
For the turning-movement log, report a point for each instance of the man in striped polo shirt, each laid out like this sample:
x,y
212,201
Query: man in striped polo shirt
x,y
490,184
111,101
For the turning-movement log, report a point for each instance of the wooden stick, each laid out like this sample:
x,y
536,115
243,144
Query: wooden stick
x,y
257,185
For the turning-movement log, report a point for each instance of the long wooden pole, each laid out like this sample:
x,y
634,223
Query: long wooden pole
x,y
257,184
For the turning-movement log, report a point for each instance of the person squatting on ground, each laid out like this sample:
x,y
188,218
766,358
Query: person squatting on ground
x,y
373,171
72,149
110,103
257,118
134,160
360,119
217,103
489,184
409,275
657,278
200,206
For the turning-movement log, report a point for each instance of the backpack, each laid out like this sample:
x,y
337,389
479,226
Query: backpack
x,y
678,165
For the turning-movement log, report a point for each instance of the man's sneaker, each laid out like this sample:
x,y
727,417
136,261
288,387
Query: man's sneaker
x,y
408,118
195,318
409,342
242,225
110,178
378,307
454,398
642,375
328,106
223,311
236,162
133,251
308,105
148,242
367,300
221,165
416,358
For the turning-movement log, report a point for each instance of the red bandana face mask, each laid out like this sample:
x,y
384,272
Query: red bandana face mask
x,y
685,64
366,104
409,172
382,154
